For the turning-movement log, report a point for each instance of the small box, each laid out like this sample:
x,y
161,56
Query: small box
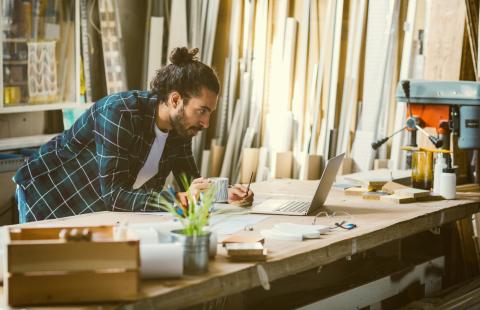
x,y
244,249
42,268
244,252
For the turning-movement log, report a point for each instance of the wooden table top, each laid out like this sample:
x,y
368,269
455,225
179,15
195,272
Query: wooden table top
x,y
377,222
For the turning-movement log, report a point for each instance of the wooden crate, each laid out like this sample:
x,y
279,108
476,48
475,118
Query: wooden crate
x,y
44,269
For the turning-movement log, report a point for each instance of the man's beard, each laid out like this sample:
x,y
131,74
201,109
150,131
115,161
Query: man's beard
x,y
179,126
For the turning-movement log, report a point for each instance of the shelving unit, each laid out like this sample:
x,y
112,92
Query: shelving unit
x,y
24,142
16,38
44,107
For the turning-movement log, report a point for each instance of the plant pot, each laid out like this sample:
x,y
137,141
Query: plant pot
x,y
195,251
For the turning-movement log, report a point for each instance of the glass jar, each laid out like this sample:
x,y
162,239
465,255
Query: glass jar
x,y
422,170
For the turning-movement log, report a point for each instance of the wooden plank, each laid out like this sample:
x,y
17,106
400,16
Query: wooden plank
x,y
23,256
258,68
155,47
220,51
288,65
52,233
241,137
217,153
262,170
194,23
397,199
247,35
387,94
468,187
247,143
397,156
320,78
314,167
148,15
2,105
178,26
412,192
331,111
277,99
205,166
469,255
213,9
472,30
235,128
444,39
312,65
283,165
249,164
377,54
72,288
346,167
222,114
310,117
356,191
350,90
77,52
391,187
373,195
235,26
302,15
380,164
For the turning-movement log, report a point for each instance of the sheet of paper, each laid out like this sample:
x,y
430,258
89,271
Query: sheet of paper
x,y
225,224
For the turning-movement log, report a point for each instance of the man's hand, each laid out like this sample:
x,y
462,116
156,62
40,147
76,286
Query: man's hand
x,y
196,187
238,195
199,185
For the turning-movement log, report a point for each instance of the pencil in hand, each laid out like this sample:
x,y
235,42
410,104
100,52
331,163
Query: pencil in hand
x,y
248,186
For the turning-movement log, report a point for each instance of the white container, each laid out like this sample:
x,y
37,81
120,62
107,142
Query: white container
x,y
448,183
440,164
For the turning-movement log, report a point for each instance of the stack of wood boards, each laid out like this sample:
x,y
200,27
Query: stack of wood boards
x,y
391,192
70,265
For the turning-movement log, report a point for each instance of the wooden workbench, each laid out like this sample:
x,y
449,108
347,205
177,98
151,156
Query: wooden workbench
x,y
378,223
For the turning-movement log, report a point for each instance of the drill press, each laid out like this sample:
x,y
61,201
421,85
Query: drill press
x,y
451,107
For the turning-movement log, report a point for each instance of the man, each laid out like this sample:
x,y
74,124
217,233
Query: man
x,y
117,155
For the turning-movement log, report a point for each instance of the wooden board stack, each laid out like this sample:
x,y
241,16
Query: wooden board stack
x,y
240,252
70,265
390,191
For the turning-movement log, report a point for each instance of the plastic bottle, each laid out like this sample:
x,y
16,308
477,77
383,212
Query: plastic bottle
x,y
440,164
448,181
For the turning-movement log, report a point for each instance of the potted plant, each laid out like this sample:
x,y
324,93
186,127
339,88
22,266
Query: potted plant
x,y
193,217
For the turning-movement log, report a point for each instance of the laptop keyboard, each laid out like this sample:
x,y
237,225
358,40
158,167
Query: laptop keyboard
x,y
294,206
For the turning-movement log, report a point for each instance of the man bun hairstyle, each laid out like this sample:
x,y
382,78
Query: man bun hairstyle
x,y
185,74
181,56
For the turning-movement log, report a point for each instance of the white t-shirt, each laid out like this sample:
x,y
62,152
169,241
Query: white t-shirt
x,y
150,168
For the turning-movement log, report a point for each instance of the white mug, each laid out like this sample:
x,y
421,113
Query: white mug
x,y
221,189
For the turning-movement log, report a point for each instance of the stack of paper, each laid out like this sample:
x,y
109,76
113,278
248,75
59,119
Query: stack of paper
x,y
291,231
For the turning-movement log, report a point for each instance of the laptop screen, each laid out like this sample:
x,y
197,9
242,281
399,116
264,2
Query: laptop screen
x,y
326,181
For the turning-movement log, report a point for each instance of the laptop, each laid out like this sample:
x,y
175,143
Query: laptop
x,y
299,207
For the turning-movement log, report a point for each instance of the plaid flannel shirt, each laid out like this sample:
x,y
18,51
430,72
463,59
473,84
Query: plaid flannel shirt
x,y
92,166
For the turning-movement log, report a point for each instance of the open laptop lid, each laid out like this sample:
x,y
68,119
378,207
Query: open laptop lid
x,y
326,181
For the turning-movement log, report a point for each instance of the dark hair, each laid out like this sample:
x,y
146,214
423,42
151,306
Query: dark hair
x,y
185,74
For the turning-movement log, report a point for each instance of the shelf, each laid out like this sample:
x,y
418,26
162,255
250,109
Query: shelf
x,y
15,62
44,107
23,142
8,83
15,40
